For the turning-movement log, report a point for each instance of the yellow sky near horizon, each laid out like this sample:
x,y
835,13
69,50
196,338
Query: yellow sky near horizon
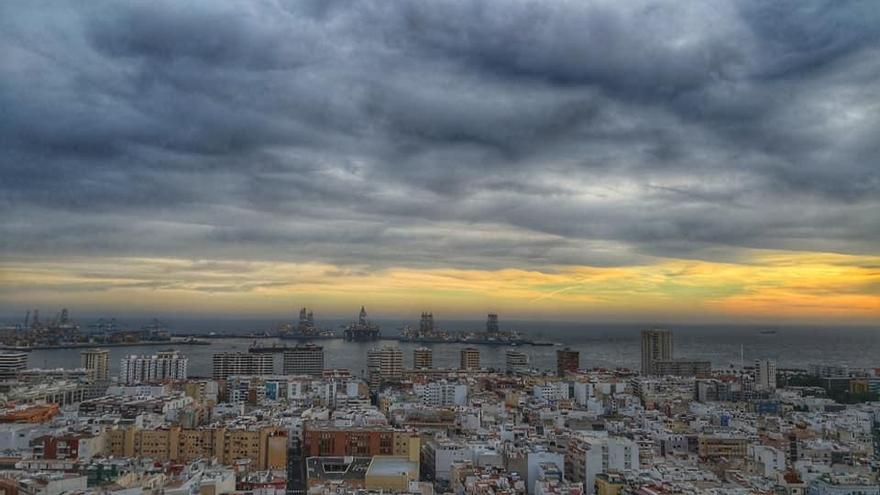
x,y
761,285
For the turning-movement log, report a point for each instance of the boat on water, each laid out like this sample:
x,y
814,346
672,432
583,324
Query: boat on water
x,y
273,348
323,334
420,339
768,332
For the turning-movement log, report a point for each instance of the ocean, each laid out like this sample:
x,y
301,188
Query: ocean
x,y
600,345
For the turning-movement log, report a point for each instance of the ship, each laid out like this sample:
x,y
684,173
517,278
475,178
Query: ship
x,y
362,330
305,328
272,348
501,338
428,339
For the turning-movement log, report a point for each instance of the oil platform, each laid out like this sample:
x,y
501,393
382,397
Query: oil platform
x,y
305,329
362,330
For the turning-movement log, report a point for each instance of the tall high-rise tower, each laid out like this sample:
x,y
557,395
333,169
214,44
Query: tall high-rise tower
x,y
656,346
492,324
423,358
516,361
384,364
567,361
97,363
470,358
765,374
426,323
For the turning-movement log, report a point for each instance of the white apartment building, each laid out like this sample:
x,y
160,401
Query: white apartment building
x,y
444,394
166,365
594,454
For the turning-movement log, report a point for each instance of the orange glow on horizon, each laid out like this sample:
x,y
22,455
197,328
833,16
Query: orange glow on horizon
x,y
760,285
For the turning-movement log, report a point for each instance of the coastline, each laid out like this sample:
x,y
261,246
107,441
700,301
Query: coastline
x,y
89,345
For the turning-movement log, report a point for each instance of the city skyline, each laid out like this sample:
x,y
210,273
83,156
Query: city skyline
x,y
581,161
446,247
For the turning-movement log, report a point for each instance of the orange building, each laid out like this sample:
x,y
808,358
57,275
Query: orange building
x,y
327,440
30,414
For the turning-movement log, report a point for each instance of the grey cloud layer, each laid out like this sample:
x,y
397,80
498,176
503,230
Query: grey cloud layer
x,y
465,133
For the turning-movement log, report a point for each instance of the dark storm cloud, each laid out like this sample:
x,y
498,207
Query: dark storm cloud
x,y
473,134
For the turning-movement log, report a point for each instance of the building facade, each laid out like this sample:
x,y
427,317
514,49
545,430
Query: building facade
x,y
97,363
470,358
589,456
165,365
423,358
680,367
265,446
765,374
444,394
226,364
367,441
11,363
384,364
656,346
516,361
306,359
567,361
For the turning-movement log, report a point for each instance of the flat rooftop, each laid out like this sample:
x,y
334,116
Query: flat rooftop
x,y
337,468
392,466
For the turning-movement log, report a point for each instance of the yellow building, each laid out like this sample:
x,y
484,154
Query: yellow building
x,y
391,473
718,446
859,386
408,445
609,484
265,446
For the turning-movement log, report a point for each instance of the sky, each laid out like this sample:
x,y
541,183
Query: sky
x,y
571,160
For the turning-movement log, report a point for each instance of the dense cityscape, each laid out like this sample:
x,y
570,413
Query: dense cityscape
x,y
442,247
676,425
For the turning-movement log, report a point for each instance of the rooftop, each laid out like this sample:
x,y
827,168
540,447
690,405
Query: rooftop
x,y
392,466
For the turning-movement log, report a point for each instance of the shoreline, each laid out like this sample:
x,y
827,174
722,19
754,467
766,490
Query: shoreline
x,y
93,345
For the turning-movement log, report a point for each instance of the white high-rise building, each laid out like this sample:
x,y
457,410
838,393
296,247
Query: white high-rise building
x,y
11,363
165,365
765,374
551,391
227,364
